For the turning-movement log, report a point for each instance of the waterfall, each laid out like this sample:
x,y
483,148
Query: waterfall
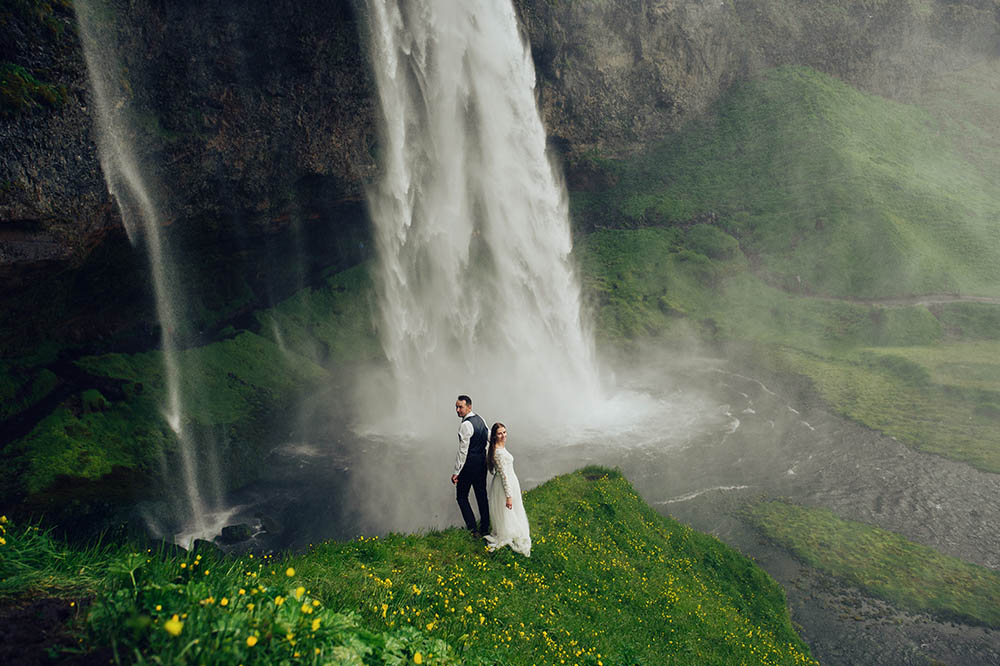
x,y
142,216
476,286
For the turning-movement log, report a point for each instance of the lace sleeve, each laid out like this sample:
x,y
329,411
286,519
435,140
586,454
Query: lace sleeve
x,y
498,462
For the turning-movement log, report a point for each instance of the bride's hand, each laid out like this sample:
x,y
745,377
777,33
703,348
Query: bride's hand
x,y
510,503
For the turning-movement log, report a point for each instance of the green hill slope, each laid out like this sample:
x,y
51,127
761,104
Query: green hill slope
x,y
769,224
828,189
609,581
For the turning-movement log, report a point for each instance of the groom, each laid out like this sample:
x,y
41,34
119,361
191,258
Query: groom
x,y
470,465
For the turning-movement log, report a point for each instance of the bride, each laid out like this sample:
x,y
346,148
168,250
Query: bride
x,y
510,524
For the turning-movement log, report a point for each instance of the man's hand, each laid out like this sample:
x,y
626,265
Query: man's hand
x,y
454,479
510,503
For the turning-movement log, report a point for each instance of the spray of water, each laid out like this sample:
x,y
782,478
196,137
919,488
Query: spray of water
x,y
476,288
141,215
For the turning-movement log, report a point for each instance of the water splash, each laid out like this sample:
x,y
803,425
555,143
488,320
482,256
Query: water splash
x,y
141,214
476,288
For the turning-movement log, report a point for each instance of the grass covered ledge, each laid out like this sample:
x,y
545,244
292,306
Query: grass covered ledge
x,y
883,563
609,582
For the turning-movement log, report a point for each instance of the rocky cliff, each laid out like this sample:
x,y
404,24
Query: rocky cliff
x,y
253,118
614,76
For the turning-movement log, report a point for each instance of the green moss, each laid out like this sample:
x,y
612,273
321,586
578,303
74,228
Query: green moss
x,y
231,390
330,324
92,401
885,564
711,242
235,384
21,91
88,445
22,387
223,382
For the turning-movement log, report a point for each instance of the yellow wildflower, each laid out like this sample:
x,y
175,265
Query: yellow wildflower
x,y
315,624
278,600
224,601
289,572
418,658
251,641
173,626
299,591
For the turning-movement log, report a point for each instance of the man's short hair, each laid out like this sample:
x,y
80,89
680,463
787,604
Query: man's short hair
x,y
466,399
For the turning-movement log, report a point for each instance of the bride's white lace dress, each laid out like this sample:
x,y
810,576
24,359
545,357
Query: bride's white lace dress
x,y
509,526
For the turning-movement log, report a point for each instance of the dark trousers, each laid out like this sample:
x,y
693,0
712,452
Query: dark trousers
x,y
473,475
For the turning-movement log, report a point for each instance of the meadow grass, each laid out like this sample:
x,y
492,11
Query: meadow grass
x,y
609,581
885,564
927,397
841,192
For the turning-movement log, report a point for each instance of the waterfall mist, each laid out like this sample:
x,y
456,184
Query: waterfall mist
x,y
477,292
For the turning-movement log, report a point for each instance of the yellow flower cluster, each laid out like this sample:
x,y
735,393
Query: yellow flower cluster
x,y
636,579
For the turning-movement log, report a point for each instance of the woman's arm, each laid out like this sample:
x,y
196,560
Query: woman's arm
x,y
503,476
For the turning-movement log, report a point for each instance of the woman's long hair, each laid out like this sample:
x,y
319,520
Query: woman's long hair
x,y
490,465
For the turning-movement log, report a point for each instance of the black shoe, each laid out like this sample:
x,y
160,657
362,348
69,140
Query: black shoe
x,y
476,534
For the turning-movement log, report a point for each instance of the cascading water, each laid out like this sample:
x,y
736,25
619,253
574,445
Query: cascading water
x,y
476,288
141,215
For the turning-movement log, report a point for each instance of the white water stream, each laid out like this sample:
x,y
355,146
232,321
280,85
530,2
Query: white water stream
x,y
142,216
476,288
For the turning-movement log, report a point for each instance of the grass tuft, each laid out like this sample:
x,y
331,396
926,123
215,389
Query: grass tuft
x,y
885,564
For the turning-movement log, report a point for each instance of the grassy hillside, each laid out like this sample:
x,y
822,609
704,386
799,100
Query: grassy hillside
x,y
791,219
829,190
887,565
609,581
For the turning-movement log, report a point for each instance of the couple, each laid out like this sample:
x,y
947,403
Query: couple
x,y
480,450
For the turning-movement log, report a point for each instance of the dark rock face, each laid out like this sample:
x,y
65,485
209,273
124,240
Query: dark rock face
x,y
253,124
252,118
614,76
54,206
239,104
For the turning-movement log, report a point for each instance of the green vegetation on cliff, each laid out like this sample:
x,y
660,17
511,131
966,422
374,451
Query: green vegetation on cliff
x,y
915,577
609,581
830,190
232,390
812,187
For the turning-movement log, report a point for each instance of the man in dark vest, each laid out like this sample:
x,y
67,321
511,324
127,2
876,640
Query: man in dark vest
x,y
470,466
